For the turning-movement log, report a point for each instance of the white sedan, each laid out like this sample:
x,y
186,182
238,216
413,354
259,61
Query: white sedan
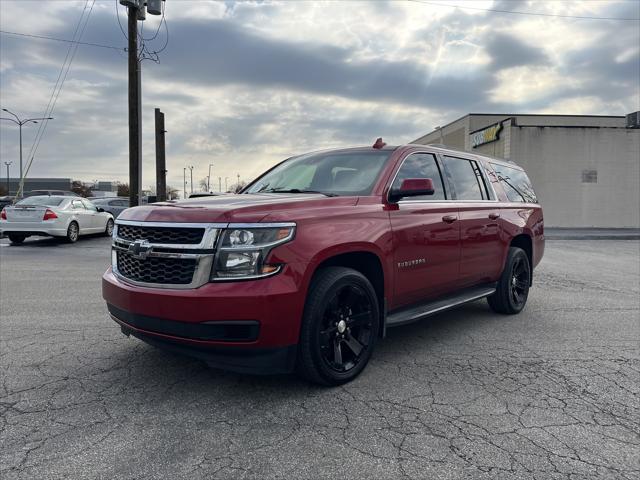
x,y
55,216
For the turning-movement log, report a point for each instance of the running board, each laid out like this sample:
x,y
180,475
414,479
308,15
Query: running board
x,y
418,312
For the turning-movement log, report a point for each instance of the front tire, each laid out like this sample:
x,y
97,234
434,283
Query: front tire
x,y
16,239
513,287
73,232
339,326
108,230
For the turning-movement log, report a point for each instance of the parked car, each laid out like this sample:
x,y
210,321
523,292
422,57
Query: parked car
x,y
309,266
6,200
34,193
55,216
114,205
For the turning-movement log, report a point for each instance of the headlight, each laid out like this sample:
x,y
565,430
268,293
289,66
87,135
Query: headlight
x,y
242,251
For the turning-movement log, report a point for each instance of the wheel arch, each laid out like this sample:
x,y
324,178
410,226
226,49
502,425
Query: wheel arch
x,y
364,260
525,242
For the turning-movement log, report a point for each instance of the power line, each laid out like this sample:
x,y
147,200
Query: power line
x,y
54,96
516,12
44,37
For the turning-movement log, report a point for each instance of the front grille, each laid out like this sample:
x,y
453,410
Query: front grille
x,y
173,271
168,235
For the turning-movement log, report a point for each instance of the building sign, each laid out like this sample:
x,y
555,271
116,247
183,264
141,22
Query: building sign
x,y
486,135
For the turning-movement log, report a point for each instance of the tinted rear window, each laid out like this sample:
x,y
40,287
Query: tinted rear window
x,y
42,200
516,184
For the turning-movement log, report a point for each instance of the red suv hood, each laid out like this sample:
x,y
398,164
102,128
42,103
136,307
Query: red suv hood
x,y
233,208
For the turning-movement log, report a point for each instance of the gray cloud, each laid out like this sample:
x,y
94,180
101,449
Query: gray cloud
x,y
233,55
507,51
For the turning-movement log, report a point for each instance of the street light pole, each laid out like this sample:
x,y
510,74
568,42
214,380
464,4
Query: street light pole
x,y
20,123
184,182
191,168
209,178
7,164
226,184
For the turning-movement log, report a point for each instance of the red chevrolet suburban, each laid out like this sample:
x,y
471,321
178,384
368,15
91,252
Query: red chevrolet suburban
x,y
307,267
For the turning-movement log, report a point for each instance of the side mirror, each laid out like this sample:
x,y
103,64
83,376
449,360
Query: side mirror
x,y
412,187
100,209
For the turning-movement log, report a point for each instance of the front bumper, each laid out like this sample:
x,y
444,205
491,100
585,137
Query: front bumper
x,y
250,326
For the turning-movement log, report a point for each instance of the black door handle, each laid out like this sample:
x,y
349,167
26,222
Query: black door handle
x,y
449,218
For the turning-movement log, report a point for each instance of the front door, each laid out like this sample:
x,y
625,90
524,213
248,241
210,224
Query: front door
x,y
97,220
426,236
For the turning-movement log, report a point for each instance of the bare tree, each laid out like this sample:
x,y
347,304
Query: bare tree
x,y
123,190
204,184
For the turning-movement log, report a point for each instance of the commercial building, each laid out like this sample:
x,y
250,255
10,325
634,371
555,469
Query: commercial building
x,y
585,169
37,184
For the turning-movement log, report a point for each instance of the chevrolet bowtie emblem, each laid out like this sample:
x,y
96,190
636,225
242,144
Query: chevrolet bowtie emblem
x,y
140,249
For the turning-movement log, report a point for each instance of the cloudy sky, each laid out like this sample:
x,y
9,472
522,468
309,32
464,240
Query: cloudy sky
x,y
245,84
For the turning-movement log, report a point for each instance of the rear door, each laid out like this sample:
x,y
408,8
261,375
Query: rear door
x,y
479,213
85,220
425,234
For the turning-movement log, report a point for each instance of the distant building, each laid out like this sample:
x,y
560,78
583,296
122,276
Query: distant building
x,y
38,184
585,168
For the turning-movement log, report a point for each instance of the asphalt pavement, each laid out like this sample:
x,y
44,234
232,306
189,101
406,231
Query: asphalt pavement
x,y
552,393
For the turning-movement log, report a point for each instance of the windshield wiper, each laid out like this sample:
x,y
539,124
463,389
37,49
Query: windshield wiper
x,y
296,190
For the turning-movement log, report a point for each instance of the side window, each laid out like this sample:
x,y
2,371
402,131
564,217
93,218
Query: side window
x,y
123,203
78,205
466,177
89,206
516,184
422,165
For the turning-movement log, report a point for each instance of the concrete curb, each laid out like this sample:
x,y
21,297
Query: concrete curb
x,y
592,234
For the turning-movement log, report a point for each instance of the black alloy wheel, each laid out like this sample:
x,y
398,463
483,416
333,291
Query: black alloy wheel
x,y
512,290
339,326
520,281
346,328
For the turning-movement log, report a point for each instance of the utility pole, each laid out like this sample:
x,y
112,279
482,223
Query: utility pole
x,y
191,168
7,164
220,184
161,164
20,123
134,105
184,182
135,12
209,178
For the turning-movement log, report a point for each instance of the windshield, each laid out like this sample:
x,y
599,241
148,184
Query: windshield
x,y
330,173
43,200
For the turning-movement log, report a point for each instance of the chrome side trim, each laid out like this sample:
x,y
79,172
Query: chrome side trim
x,y
136,223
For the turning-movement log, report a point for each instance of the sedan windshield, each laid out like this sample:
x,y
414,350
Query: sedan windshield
x,y
329,173
46,201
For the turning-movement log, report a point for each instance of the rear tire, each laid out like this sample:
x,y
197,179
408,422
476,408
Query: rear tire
x,y
16,239
513,287
108,230
73,232
339,326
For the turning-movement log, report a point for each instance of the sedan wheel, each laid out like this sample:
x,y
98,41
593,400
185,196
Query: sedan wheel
x,y
73,232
